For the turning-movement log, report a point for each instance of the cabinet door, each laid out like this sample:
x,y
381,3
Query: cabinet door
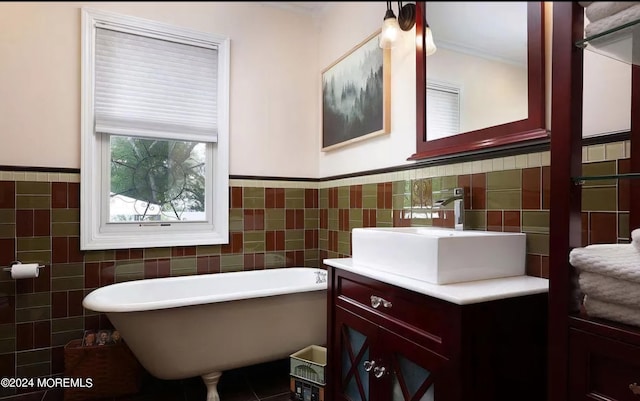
x,y
603,369
355,356
411,371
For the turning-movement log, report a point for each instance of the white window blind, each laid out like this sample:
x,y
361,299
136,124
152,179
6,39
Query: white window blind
x,y
443,111
155,88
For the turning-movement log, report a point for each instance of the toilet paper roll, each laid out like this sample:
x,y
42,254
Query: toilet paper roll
x,y
24,270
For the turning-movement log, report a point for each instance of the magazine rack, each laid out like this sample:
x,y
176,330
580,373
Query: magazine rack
x,y
113,370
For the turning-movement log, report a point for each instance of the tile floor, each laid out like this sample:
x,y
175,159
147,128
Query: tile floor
x,y
263,382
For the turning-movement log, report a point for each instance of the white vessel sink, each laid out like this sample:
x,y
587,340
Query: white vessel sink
x,y
440,255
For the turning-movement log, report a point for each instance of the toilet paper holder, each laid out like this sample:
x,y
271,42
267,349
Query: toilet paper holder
x,y
17,262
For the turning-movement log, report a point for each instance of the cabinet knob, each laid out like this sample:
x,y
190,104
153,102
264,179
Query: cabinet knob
x,y
368,365
379,371
377,301
635,389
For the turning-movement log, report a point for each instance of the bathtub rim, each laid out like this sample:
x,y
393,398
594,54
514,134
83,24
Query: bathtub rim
x,y
95,301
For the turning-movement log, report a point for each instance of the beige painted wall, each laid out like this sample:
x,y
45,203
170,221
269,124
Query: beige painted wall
x,y
606,103
606,95
340,30
606,106
273,90
342,27
277,57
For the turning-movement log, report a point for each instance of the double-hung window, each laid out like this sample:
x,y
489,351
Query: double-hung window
x,y
155,134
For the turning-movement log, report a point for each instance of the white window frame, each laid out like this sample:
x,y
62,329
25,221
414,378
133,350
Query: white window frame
x,y
95,230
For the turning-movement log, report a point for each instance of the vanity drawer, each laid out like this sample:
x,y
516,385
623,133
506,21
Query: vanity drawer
x,y
603,369
406,312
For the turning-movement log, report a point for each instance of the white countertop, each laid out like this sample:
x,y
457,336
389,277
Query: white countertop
x,y
459,293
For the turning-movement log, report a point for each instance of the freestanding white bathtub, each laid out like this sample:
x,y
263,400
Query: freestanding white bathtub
x,y
202,325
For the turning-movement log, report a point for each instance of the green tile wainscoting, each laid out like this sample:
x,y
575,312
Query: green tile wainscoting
x,y
272,224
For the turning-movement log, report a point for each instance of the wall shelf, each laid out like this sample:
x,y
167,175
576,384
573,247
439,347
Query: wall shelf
x,y
616,43
582,179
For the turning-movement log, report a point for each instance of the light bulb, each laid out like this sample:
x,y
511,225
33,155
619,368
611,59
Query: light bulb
x,y
389,34
429,46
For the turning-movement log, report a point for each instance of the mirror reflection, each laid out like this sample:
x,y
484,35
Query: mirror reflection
x,y
478,76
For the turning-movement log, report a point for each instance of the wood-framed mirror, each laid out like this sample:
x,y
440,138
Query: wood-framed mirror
x,y
520,128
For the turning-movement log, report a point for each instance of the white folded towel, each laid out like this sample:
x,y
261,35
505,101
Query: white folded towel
x,y
635,238
607,310
621,261
620,18
610,289
598,10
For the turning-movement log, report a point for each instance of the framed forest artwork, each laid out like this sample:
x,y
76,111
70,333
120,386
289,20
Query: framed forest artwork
x,y
356,95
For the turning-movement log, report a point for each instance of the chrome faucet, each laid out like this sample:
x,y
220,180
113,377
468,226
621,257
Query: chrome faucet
x,y
458,207
321,277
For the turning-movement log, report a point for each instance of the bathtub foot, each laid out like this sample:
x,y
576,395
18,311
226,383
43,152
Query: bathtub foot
x,y
211,381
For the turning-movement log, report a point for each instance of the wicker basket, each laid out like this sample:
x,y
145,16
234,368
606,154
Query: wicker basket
x,y
113,369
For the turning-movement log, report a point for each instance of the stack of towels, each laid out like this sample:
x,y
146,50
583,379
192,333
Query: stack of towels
x,y
605,15
609,276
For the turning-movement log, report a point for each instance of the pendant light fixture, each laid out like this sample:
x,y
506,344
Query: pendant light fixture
x,y
391,25
429,45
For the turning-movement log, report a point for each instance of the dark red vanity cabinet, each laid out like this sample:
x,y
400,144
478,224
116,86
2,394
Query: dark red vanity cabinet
x,y
386,343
